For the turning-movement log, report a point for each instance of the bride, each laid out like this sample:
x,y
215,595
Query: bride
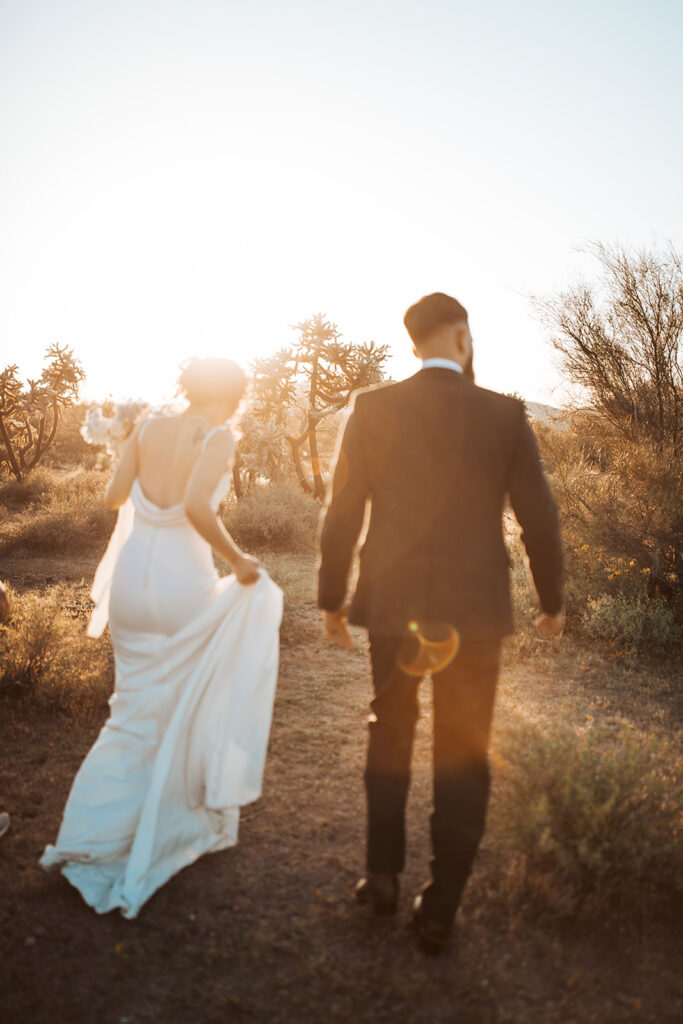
x,y
196,661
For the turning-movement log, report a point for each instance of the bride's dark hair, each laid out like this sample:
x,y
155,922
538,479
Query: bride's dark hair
x,y
210,380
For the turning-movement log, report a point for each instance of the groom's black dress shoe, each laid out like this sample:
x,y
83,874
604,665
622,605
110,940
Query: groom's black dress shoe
x,y
432,937
379,890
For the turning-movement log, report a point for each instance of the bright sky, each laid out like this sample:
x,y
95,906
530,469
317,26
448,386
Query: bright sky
x,y
193,176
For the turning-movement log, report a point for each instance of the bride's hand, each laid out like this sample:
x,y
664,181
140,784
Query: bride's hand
x,y
246,569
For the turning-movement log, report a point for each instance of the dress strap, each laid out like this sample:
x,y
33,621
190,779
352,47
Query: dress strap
x,y
212,433
143,428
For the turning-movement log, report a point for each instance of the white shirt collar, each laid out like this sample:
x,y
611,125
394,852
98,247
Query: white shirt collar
x,y
446,364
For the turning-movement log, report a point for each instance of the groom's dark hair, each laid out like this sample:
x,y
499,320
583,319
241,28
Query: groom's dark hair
x,y
430,313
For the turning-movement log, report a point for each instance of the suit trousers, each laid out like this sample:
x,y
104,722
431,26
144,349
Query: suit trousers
x,y
463,700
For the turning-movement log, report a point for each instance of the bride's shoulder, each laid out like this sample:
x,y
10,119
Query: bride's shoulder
x,y
219,439
156,420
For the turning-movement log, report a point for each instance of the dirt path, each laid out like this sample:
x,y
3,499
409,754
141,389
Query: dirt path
x,y
269,932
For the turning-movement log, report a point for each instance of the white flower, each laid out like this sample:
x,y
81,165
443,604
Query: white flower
x,y
112,431
96,428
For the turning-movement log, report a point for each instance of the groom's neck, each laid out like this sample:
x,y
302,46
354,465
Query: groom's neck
x,y
440,350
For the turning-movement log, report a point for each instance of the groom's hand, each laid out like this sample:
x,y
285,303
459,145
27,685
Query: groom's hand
x,y
337,629
549,626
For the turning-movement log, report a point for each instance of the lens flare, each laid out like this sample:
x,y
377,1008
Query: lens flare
x,y
429,647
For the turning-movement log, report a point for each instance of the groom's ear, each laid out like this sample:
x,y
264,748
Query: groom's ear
x,y
461,338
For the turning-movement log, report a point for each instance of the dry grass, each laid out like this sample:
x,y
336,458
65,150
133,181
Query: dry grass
x,y
591,822
54,513
46,661
269,932
274,517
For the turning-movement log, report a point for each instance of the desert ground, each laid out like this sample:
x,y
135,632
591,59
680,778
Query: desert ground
x,y
269,931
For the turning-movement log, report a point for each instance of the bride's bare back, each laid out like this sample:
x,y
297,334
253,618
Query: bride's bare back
x,y
168,449
181,460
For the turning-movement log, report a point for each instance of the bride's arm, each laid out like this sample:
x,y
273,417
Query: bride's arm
x,y
127,469
204,479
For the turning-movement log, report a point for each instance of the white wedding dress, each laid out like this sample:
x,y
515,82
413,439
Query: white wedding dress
x,y
184,748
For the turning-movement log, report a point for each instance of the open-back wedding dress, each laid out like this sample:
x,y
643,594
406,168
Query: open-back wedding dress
x,y
184,748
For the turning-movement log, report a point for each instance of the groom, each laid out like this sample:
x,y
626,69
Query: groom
x,y
435,457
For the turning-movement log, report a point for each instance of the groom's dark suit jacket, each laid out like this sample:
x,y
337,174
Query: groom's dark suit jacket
x,y
437,457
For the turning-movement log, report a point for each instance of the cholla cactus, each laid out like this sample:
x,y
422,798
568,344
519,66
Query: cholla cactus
x,y
310,382
262,448
30,415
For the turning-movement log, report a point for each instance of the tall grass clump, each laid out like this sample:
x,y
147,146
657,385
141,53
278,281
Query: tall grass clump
x,y
591,823
274,517
46,660
55,513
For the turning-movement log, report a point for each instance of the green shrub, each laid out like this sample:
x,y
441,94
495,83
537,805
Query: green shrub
x,y
590,822
274,517
647,626
55,513
46,659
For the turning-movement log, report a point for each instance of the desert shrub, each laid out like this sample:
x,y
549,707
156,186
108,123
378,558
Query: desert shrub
x,y
46,660
619,470
17,494
55,513
621,498
590,822
593,572
632,623
29,641
619,339
619,501
274,517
